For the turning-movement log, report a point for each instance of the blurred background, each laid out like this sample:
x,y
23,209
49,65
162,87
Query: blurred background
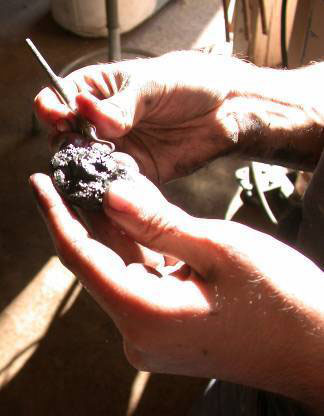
x,y
59,353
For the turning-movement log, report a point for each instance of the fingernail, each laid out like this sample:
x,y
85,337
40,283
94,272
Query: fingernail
x,y
36,192
133,195
62,126
120,195
126,160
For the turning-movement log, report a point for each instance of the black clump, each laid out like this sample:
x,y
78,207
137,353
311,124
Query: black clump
x,y
83,174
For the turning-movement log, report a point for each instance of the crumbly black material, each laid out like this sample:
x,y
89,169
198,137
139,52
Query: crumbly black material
x,y
83,173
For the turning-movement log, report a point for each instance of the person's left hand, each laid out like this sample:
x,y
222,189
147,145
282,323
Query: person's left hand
x,y
232,308
124,277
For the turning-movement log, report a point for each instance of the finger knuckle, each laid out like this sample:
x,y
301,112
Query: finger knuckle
x,y
65,258
155,228
135,358
66,252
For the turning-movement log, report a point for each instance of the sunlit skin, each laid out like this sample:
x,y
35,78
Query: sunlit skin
x,y
231,302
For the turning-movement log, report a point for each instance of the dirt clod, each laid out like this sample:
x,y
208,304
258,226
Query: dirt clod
x,y
83,173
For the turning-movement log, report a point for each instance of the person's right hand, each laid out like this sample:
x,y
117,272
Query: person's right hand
x,y
165,112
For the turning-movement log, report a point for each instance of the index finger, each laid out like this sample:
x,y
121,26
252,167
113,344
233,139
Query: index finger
x,y
49,107
99,268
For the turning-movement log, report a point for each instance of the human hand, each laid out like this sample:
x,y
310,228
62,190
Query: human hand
x,y
236,308
165,112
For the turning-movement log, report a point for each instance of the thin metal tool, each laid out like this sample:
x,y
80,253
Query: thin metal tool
x,y
84,127
226,22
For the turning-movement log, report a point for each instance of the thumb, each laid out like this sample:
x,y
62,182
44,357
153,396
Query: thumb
x,y
140,209
114,116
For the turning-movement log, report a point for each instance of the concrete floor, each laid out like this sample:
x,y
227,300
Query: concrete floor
x,y
59,353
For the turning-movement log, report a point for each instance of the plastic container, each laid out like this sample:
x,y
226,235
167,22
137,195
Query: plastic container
x,y
88,17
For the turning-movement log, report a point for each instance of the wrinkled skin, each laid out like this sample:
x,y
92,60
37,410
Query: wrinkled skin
x,y
146,108
226,310
231,302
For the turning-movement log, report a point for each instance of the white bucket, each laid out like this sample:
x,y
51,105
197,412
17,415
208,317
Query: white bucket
x,y
88,17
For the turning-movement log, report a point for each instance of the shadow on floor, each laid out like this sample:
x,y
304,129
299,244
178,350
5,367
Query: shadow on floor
x,y
79,368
